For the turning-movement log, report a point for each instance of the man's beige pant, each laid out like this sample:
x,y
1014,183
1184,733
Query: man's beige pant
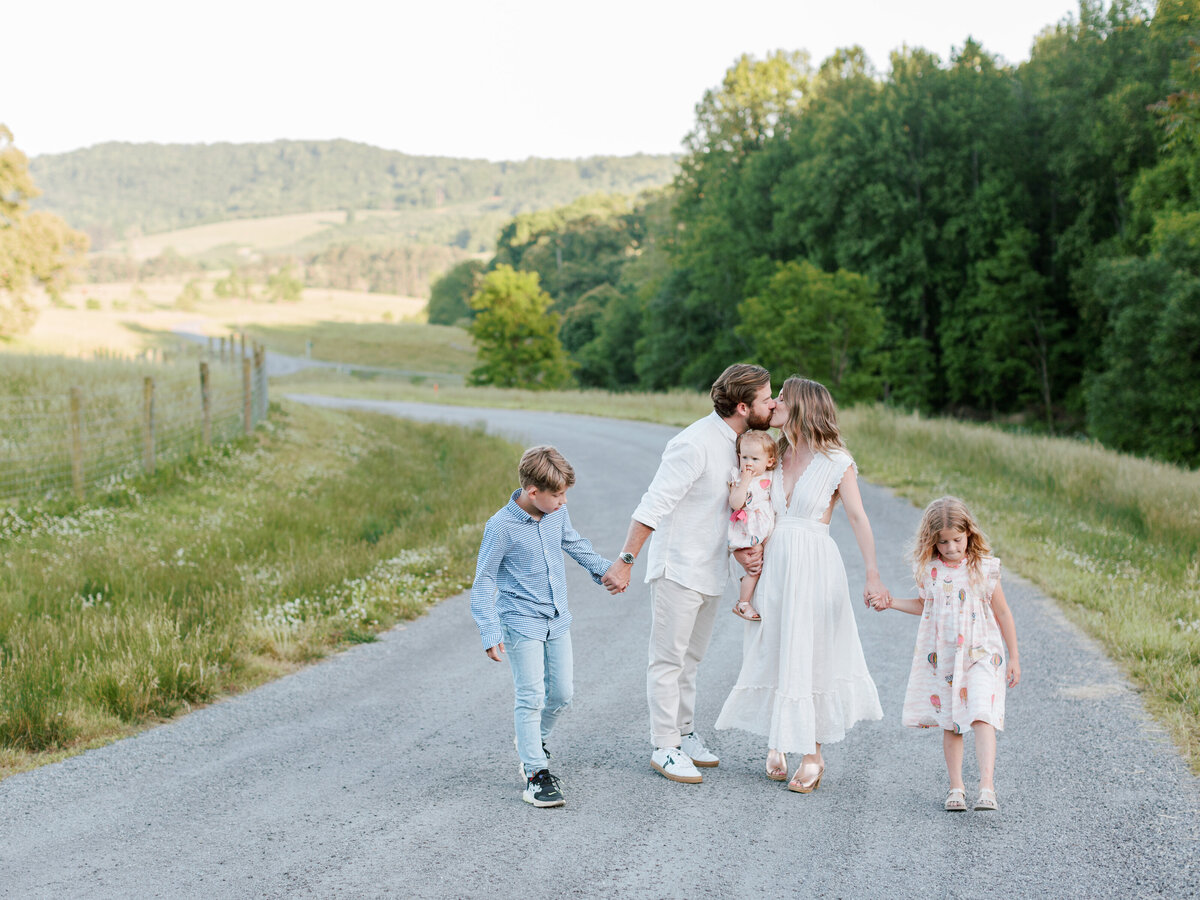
x,y
679,635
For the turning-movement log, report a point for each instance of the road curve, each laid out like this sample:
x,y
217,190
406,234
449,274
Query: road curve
x,y
388,770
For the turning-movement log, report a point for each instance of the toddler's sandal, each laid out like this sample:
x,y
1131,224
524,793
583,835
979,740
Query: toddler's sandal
x,y
986,801
956,800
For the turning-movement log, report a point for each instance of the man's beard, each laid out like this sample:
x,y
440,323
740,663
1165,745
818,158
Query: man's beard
x,y
758,423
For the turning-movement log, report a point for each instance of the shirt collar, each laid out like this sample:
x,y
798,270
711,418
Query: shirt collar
x,y
726,430
514,510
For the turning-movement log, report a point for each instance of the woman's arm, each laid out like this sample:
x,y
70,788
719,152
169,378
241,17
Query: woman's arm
x,y
1008,631
852,500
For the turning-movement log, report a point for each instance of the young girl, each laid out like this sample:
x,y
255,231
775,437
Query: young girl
x,y
958,671
752,516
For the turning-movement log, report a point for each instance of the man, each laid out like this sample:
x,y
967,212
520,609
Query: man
x,y
685,509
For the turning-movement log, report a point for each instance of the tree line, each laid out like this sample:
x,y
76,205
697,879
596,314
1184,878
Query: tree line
x,y
113,189
960,236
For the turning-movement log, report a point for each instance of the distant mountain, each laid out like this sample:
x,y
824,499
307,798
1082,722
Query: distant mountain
x,y
117,189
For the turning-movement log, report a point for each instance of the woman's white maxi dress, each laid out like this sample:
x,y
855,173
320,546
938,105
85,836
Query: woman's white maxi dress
x,y
804,680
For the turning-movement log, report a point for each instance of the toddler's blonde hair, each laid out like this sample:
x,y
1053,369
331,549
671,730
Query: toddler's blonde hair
x,y
765,442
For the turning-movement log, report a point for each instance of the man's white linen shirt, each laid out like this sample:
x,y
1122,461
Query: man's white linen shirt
x,y
687,505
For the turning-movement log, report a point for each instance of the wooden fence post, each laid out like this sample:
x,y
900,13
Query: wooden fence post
x,y
210,347
77,442
205,406
222,348
148,425
247,414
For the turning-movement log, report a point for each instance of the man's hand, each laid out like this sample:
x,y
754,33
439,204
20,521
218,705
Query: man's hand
x,y
616,579
750,558
495,653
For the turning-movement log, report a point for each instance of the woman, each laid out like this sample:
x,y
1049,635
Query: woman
x,y
804,681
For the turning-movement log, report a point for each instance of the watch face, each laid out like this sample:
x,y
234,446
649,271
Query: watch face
x,y
627,558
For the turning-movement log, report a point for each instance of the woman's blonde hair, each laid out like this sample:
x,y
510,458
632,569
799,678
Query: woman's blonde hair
x,y
952,514
765,442
812,416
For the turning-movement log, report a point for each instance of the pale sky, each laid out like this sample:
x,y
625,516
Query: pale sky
x,y
497,80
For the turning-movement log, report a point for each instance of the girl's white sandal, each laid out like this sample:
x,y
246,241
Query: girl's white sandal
x,y
987,800
956,800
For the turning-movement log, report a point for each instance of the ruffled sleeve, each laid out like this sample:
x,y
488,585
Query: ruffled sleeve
x,y
735,476
991,576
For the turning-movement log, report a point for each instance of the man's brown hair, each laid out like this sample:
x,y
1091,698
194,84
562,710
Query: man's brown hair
x,y
737,384
546,469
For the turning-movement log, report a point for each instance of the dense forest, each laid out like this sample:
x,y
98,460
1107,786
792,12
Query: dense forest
x,y
1005,242
109,189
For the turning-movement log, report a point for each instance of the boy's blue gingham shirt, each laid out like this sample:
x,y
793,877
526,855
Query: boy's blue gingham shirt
x,y
522,558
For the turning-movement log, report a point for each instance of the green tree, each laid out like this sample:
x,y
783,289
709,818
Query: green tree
x,y
189,298
36,248
821,325
516,333
450,295
284,286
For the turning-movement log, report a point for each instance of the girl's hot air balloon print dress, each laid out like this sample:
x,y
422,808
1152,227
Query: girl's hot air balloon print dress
x,y
958,670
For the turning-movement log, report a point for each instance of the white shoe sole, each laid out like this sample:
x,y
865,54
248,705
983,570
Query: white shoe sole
x,y
683,779
542,804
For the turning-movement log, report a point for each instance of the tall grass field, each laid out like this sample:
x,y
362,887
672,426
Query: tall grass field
x,y
233,567
1113,538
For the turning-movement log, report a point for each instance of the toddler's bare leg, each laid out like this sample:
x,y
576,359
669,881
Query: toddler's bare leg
x,y
745,605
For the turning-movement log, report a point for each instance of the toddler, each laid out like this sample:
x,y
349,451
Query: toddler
x,y
752,517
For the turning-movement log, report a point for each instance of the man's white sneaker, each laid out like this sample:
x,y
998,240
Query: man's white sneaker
x,y
675,765
693,745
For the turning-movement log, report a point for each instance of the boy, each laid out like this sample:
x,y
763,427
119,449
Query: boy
x,y
519,601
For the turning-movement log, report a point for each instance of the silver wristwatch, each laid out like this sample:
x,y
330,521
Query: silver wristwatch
x,y
626,558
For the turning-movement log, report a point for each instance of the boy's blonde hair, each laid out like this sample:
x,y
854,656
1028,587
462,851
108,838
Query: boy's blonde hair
x,y
949,513
812,416
765,442
546,469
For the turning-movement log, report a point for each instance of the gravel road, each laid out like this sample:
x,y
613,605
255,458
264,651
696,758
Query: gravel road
x,y
388,770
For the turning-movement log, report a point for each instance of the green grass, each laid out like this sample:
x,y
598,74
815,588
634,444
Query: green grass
x,y
231,568
1113,538
407,346
35,407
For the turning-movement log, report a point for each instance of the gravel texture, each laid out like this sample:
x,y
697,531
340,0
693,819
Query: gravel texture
x,y
388,770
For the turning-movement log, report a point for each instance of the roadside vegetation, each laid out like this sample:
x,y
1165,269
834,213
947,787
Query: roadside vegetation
x,y
408,346
1114,538
232,568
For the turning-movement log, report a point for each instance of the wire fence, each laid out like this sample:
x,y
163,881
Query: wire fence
x,y
73,426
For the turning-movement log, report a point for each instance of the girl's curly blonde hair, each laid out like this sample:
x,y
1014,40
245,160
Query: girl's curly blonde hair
x,y
949,513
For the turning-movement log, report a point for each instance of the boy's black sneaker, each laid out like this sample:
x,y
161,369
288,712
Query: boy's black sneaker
x,y
542,790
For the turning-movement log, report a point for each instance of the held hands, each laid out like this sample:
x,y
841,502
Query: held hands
x,y
876,595
616,579
495,653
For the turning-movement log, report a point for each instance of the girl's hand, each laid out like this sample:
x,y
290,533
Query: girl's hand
x,y
1014,672
879,604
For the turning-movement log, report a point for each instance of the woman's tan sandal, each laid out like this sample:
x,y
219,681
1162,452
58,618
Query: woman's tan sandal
x,y
956,800
987,800
779,772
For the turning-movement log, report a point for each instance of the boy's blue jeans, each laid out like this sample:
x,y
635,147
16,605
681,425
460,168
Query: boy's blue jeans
x,y
543,686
